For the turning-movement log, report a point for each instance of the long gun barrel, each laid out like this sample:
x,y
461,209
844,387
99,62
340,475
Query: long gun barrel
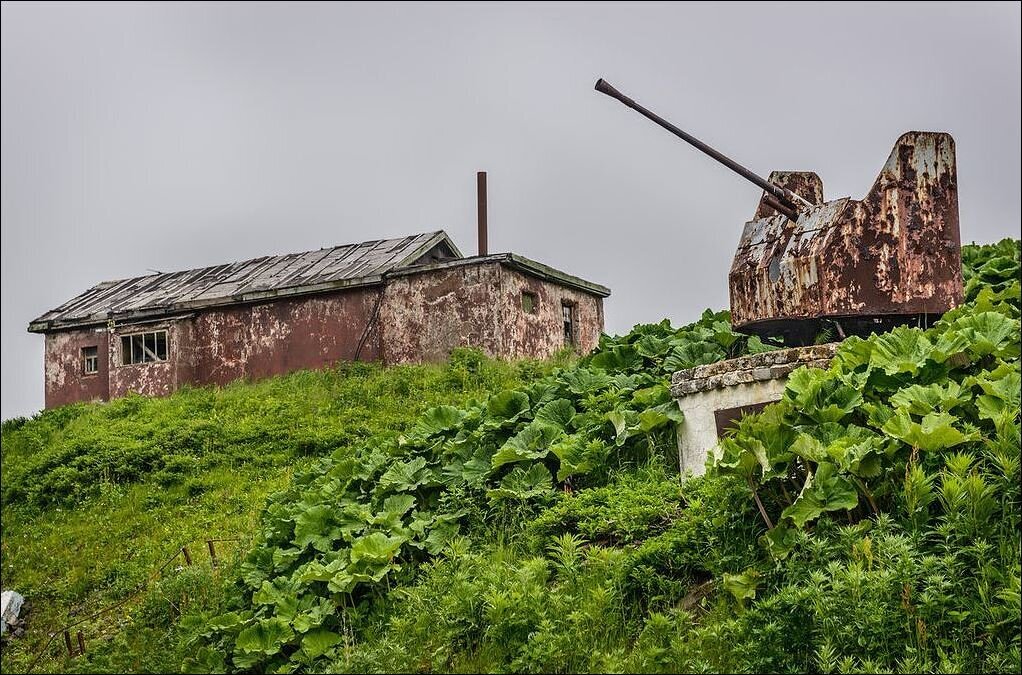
x,y
786,200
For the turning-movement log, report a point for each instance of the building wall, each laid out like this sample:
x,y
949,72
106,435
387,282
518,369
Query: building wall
x,y
216,347
540,334
419,317
64,380
272,338
425,315
154,378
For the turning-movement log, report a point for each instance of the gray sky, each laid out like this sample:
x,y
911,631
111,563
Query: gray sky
x,y
176,136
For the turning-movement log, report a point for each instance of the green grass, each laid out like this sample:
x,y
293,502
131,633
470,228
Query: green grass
x,y
86,519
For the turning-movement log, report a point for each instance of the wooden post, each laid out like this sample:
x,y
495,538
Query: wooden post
x,y
212,552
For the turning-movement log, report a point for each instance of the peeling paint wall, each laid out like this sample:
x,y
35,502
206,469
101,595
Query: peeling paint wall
x,y
412,318
154,378
65,380
258,341
540,334
424,316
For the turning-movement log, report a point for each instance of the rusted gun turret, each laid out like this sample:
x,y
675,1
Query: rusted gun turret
x,y
848,266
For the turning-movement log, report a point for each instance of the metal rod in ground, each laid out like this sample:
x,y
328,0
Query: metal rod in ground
x,y
212,552
188,557
67,643
81,643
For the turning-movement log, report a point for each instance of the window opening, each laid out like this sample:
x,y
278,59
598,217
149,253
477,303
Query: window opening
x,y
568,316
90,360
144,347
528,302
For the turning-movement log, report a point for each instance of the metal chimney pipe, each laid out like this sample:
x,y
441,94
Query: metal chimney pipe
x,y
481,205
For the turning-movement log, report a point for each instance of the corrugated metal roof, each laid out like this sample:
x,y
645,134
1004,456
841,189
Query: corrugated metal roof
x,y
270,276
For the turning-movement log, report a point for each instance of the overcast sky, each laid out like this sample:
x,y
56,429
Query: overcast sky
x,y
167,137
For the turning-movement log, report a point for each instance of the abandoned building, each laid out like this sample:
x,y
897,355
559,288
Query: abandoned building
x,y
393,300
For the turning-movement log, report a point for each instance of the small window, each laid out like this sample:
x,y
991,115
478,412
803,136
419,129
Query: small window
x,y
568,315
90,360
144,347
528,302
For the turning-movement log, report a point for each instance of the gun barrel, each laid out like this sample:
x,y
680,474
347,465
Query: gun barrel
x,y
786,197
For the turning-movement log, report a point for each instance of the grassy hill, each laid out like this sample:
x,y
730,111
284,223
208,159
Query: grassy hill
x,y
491,517
96,496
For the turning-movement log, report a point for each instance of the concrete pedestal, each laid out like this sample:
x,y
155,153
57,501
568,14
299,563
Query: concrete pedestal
x,y
713,396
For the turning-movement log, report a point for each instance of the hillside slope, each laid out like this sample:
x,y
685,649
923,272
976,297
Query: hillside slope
x,y
97,496
540,528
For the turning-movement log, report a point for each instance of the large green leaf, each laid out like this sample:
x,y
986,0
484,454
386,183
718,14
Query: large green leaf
x,y
508,405
315,526
557,413
266,636
821,396
936,431
903,350
920,400
438,420
523,484
405,476
618,358
989,333
825,490
375,548
532,442
319,642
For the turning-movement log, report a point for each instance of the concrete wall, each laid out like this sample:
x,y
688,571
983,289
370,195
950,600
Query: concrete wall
x,y
154,378
425,315
216,347
540,334
62,367
257,341
697,436
727,387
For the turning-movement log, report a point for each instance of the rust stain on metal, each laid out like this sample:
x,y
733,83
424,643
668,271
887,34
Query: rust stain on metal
x,y
892,256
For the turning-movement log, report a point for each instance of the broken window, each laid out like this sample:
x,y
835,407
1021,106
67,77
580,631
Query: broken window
x,y
90,360
144,347
528,302
568,315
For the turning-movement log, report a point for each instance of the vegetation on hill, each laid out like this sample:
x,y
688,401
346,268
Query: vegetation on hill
x,y
870,521
97,496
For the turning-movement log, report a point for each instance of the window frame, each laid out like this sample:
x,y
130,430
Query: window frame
x,y
143,340
533,307
569,323
87,359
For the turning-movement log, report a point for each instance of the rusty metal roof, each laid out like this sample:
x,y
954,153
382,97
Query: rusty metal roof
x,y
166,293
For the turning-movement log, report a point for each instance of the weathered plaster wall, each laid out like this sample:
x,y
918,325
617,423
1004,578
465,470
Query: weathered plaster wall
x,y
419,317
540,334
424,316
736,383
64,380
153,379
257,341
697,435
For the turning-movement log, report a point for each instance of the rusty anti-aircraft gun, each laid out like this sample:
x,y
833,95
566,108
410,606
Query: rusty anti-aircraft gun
x,y
847,267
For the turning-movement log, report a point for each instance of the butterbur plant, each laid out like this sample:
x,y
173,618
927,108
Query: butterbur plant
x,y
869,432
